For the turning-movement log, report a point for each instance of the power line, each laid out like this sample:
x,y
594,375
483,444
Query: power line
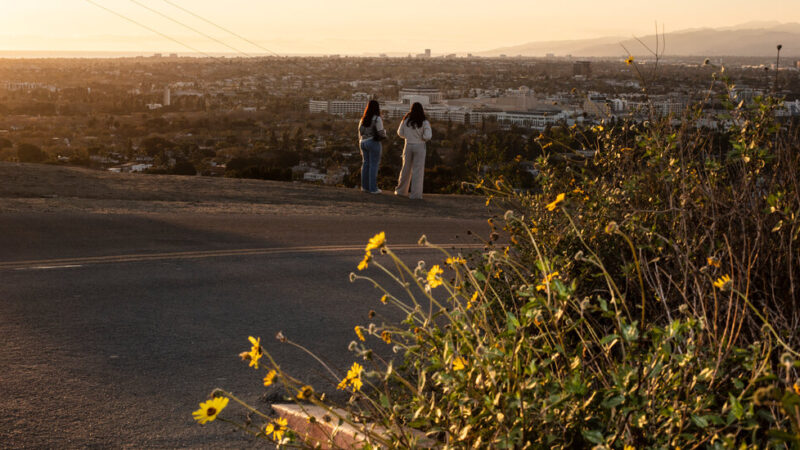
x,y
189,27
219,26
150,29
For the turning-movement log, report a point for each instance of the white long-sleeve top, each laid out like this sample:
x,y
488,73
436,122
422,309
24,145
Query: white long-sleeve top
x,y
415,135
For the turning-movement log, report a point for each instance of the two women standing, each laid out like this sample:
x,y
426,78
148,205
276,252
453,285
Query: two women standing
x,y
415,129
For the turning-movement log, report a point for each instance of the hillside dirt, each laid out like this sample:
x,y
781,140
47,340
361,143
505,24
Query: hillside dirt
x,y
48,188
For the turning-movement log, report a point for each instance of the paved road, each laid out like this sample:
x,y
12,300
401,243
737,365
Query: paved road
x,y
115,327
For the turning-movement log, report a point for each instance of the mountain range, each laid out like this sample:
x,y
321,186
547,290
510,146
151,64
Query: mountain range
x,y
757,39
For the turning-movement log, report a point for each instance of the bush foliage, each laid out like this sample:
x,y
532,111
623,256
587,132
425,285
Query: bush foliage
x,y
645,297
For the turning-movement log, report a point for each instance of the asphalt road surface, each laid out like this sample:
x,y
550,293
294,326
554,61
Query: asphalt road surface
x,y
115,327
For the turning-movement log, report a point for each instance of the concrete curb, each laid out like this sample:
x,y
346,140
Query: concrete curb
x,y
324,431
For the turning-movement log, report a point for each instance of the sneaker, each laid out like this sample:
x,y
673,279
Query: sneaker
x,y
376,191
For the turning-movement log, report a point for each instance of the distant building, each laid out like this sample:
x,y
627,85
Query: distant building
x,y
425,96
427,53
167,96
582,68
597,105
537,120
173,55
338,107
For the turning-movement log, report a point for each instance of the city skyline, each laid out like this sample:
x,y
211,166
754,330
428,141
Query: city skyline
x,y
447,26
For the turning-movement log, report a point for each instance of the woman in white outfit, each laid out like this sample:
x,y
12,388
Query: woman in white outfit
x,y
415,129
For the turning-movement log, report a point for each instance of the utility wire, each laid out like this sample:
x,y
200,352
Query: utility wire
x,y
151,29
189,27
219,26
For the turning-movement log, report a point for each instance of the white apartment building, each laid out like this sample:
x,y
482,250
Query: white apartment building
x,y
537,120
338,107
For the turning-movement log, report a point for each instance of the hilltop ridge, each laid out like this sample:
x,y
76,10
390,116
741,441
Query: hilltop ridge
x,y
752,39
49,188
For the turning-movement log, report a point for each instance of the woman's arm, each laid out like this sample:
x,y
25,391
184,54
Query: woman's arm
x,y
401,131
427,133
379,130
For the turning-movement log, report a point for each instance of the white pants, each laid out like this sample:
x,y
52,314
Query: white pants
x,y
413,171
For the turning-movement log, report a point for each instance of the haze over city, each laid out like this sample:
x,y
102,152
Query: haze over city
x,y
349,27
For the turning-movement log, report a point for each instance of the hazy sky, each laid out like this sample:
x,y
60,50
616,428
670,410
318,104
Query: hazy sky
x,y
355,27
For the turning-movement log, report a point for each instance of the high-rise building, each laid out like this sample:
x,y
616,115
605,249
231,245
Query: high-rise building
x,y
427,53
167,96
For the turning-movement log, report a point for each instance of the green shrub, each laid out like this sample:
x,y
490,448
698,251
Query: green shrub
x,y
644,298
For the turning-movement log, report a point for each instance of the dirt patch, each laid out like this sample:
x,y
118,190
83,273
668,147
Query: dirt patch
x,y
45,188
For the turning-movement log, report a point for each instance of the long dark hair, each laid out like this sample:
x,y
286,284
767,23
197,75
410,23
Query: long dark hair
x,y
415,116
373,109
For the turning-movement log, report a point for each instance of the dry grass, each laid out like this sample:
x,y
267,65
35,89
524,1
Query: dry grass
x,y
44,188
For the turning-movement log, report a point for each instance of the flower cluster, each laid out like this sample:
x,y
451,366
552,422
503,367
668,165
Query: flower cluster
x,y
546,281
435,276
353,378
255,353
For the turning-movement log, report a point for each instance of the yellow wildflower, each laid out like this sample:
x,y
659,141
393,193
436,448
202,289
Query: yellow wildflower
x,y
459,363
355,370
269,378
359,333
377,241
559,199
280,429
256,352
208,410
472,300
305,392
629,447
365,262
629,61
384,298
796,387
269,429
435,276
455,260
353,378
387,337
724,283
546,281
577,191
713,262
